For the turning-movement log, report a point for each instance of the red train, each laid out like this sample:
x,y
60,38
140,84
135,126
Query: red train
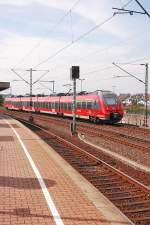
x,y
99,106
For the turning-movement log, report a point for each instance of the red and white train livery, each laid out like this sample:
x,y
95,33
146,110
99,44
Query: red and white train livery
x,y
99,106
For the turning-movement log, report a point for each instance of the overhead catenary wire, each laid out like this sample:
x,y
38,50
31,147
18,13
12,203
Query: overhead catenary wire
x,y
75,41
126,4
51,30
131,62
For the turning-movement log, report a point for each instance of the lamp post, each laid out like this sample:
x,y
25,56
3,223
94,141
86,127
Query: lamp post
x,y
81,79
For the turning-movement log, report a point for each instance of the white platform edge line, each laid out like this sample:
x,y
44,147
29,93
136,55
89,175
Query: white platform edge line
x,y
46,194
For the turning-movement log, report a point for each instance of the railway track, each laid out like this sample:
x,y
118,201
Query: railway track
x,y
136,173
130,196
143,143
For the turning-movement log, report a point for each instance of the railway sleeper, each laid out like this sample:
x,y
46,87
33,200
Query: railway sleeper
x,y
142,215
110,186
142,202
101,180
137,210
115,183
113,195
94,171
143,220
120,193
130,207
118,190
133,198
127,201
88,165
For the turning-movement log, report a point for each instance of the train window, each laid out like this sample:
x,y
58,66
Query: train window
x,y
79,105
110,99
56,105
84,105
96,105
65,105
53,105
61,105
69,106
89,105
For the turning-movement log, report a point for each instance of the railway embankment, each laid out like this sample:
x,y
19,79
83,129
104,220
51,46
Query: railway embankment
x,y
135,119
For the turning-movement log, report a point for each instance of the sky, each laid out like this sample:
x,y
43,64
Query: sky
x,y
54,35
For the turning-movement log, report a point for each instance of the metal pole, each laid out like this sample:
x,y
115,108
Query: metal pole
x,y
10,91
146,96
81,85
31,89
30,117
53,85
74,106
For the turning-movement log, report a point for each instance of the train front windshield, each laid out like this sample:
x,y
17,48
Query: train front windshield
x,y
110,99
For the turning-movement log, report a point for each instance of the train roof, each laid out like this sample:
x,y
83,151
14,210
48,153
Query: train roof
x,y
81,95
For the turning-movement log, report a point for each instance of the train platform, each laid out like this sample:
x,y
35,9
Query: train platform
x,y
38,187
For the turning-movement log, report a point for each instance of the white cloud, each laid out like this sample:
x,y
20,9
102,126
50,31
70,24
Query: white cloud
x,y
92,11
15,2
15,47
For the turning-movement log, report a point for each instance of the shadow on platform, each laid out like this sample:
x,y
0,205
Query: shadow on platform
x,y
24,183
25,212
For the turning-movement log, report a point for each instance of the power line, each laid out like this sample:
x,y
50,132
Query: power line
x,y
76,40
52,30
131,12
109,47
95,71
126,4
142,8
135,60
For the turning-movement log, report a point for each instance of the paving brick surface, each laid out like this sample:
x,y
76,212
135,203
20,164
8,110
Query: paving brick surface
x,y
21,199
